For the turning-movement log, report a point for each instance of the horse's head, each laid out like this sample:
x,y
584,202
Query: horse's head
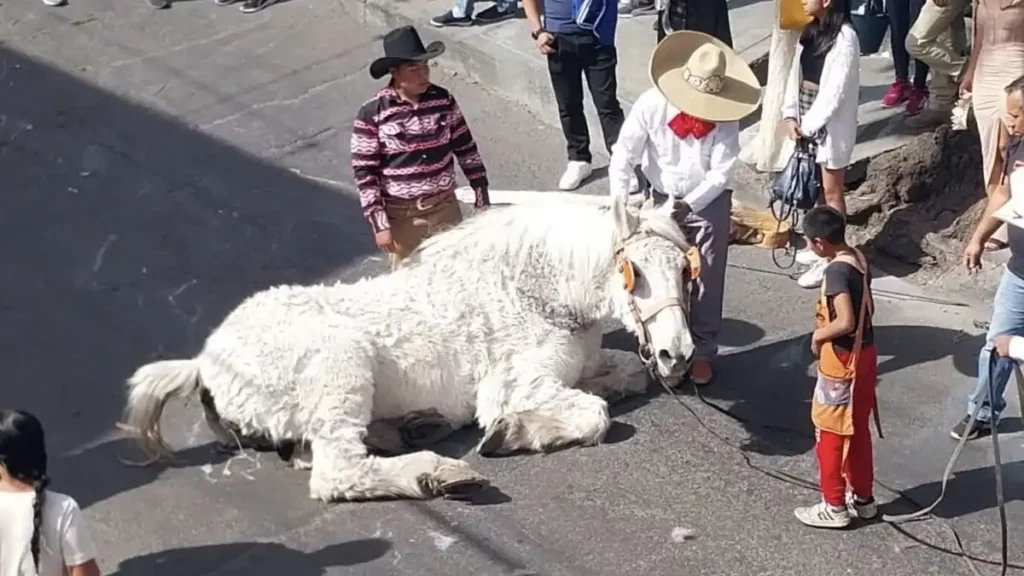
x,y
655,268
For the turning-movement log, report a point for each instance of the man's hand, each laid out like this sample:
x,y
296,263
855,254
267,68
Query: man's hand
x,y
544,41
1002,344
794,129
972,255
482,198
967,83
384,240
680,210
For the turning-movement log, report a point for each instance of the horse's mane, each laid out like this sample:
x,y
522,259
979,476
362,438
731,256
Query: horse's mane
x,y
579,239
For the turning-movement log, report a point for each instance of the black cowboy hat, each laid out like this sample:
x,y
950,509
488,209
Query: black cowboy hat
x,y
403,44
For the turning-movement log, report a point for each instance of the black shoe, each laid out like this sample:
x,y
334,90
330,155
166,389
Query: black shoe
x,y
493,14
251,6
159,4
980,429
224,2
449,19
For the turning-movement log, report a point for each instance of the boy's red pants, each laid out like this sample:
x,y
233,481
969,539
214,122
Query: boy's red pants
x,y
860,468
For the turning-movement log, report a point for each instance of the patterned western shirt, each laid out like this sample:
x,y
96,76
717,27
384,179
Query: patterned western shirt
x,y
405,150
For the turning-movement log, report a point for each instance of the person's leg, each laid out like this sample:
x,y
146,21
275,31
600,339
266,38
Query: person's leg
x,y
461,14
931,41
566,69
1007,318
831,512
834,194
899,25
708,230
600,72
860,470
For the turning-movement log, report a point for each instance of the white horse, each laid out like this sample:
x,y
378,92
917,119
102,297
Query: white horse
x,y
496,320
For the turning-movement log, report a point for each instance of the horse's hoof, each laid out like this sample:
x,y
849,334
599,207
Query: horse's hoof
x,y
424,428
495,439
457,482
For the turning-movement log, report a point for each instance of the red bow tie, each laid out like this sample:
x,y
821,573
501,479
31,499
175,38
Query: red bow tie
x,y
684,125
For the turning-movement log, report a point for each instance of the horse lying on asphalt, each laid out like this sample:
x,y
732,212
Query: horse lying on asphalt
x,y
496,321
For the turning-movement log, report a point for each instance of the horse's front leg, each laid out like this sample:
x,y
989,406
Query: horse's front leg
x,y
614,375
530,405
338,388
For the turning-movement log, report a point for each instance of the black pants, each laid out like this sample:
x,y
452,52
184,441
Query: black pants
x,y
707,16
575,56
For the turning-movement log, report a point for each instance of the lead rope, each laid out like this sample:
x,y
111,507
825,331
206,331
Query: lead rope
x,y
1000,496
788,478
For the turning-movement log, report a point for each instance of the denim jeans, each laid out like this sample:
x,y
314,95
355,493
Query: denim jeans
x,y
1007,318
902,14
465,7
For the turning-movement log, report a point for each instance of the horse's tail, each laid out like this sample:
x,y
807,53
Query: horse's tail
x,y
149,389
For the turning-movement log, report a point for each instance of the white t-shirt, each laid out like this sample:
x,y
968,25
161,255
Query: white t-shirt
x,y
63,540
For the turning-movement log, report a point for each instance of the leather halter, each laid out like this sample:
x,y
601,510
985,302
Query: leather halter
x,y
641,317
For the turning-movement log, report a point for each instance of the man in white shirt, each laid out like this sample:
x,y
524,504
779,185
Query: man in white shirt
x,y
683,133
1005,203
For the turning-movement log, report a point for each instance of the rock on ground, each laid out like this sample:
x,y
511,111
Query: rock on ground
x,y
919,203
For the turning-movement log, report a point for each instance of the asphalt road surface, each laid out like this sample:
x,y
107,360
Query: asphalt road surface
x,y
148,185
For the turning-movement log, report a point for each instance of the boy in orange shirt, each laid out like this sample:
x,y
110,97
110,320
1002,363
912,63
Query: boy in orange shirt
x,y
844,395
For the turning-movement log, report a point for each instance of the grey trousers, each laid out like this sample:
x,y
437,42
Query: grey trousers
x,y
708,230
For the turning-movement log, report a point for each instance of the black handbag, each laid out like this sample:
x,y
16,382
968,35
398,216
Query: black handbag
x,y
796,189
798,186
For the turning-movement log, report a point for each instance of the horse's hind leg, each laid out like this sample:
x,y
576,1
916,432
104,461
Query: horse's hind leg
x,y
340,379
540,415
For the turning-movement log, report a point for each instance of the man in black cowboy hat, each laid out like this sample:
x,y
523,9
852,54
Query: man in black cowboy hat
x,y
404,145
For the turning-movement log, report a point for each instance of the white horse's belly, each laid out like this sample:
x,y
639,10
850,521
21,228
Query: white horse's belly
x,y
425,385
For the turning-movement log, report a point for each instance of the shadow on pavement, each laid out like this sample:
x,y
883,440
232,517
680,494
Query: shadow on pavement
x,y
126,236
254,559
979,483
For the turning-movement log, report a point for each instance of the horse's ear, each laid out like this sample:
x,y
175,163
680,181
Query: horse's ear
x,y
626,221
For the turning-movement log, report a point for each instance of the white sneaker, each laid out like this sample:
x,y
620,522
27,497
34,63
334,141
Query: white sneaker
x,y
806,257
815,276
575,173
53,2
858,509
821,515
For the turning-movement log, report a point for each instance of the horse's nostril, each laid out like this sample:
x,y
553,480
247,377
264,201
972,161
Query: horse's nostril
x,y
666,356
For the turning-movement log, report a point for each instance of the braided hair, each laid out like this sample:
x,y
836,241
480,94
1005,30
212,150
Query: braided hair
x,y
23,457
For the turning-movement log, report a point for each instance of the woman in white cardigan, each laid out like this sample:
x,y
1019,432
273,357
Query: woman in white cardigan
x,y
821,101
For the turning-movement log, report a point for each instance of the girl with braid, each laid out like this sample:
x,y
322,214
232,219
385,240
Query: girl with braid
x,y
42,532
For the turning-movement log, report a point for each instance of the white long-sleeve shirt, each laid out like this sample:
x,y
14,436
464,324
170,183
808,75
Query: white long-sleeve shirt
x,y
692,170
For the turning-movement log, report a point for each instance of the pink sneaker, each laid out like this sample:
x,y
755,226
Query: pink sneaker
x,y
916,99
897,94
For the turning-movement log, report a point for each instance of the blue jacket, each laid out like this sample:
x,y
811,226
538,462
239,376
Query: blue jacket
x,y
599,17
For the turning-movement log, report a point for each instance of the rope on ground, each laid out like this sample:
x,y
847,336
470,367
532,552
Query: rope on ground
x,y
791,479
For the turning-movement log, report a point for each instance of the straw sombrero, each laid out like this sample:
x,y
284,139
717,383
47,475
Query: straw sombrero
x,y
703,77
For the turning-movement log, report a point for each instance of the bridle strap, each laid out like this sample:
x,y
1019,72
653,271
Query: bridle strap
x,y
659,305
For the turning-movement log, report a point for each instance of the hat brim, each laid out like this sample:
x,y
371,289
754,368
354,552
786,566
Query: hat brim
x,y
381,66
741,93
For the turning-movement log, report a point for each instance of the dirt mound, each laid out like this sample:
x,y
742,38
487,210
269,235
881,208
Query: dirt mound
x,y
917,204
